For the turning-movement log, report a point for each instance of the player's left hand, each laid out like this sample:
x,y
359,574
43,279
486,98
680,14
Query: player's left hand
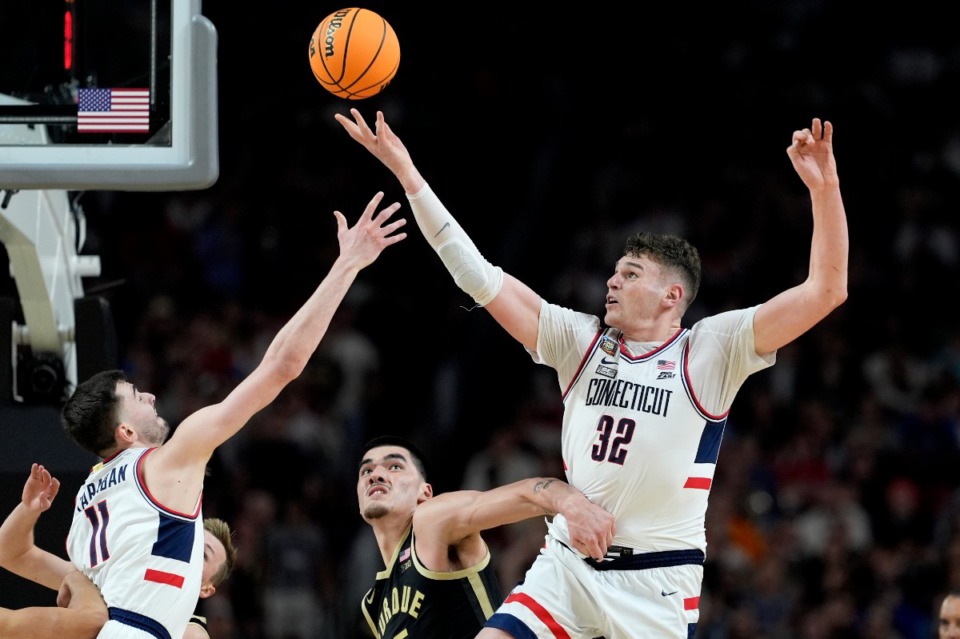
x,y
811,152
373,232
40,490
591,527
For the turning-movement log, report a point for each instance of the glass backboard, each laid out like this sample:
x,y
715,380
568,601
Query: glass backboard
x,y
107,95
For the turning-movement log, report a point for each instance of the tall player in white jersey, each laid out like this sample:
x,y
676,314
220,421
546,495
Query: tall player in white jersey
x,y
137,530
645,399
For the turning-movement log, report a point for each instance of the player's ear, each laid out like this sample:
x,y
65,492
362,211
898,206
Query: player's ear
x,y
673,295
125,433
207,590
426,492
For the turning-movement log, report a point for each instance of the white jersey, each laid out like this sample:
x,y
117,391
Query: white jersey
x,y
146,560
643,422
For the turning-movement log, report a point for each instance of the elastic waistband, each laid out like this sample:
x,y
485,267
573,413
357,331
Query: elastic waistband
x,y
623,558
141,622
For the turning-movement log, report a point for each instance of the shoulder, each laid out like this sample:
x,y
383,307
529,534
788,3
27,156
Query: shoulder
x,y
443,509
727,321
560,322
557,312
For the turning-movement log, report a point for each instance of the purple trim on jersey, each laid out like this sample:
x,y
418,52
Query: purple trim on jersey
x,y
150,498
141,622
174,538
107,460
583,361
648,560
708,450
688,387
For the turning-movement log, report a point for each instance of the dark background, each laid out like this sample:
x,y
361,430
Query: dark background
x,y
550,134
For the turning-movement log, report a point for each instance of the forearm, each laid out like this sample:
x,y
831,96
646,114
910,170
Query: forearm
x,y
470,270
830,245
553,496
37,622
410,178
16,537
296,342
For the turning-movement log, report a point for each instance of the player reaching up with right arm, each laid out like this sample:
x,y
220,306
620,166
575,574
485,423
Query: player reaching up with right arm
x,y
645,398
137,529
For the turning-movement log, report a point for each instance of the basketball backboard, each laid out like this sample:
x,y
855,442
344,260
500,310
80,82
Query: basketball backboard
x,y
57,54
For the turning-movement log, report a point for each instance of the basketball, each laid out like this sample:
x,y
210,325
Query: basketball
x,y
354,53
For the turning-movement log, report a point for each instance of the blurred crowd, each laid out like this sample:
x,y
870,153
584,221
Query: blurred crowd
x,y
835,511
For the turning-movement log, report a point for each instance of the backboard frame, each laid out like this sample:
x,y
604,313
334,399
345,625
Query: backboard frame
x,y
190,161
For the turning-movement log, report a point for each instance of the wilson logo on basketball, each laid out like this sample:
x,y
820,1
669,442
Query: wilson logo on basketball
x,y
336,21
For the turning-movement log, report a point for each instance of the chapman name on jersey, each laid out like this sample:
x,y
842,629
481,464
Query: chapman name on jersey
x,y
92,488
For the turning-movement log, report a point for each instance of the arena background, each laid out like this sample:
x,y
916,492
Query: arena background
x,y
552,134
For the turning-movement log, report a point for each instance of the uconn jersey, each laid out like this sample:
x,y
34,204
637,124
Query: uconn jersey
x,y
146,560
643,422
409,600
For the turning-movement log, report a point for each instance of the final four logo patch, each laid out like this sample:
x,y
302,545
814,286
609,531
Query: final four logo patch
x,y
609,346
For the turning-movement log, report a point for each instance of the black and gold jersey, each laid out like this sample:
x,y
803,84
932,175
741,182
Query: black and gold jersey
x,y
408,601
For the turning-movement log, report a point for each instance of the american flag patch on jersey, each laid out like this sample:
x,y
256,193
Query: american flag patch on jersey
x,y
404,561
665,365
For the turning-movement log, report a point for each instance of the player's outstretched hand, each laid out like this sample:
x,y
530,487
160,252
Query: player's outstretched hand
x,y
383,144
811,152
40,490
373,232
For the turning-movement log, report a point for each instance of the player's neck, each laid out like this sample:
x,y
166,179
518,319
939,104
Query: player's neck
x,y
389,532
658,331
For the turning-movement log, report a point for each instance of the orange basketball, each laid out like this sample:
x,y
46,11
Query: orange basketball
x,y
354,53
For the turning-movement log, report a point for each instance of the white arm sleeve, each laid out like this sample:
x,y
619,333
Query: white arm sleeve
x,y
470,270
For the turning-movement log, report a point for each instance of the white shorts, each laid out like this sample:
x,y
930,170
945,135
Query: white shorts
x,y
564,596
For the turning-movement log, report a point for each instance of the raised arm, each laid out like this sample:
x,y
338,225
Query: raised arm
x,y
793,312
512,303
457,518
183,458
18,553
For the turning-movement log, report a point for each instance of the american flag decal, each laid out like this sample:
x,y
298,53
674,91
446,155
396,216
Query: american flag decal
x,y
665,365
404,555
113,111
